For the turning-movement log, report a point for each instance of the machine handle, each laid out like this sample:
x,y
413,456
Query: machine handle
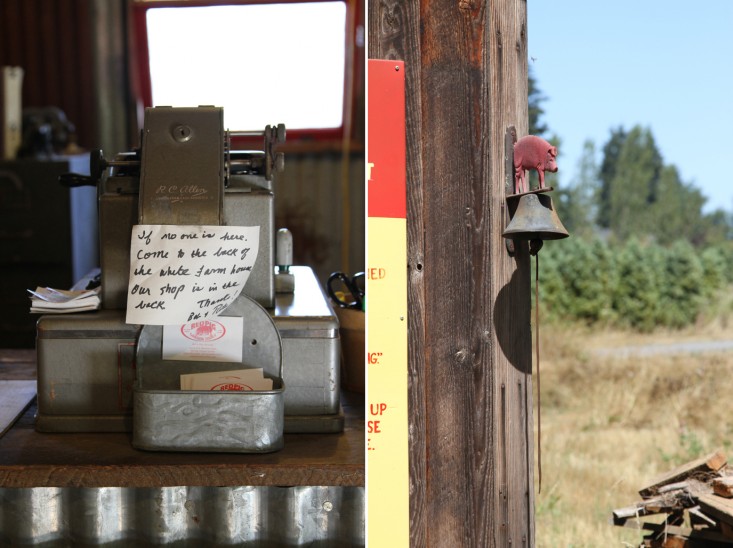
x,y
72,180
97,165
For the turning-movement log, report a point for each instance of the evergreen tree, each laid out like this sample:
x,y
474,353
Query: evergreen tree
x,y
636,297
611,152
677,211
717,228
714,270
576,204
633,188
538,127
534,102
638,194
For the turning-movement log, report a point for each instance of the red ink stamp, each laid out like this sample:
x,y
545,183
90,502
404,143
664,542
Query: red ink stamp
x,y
203,331
232,386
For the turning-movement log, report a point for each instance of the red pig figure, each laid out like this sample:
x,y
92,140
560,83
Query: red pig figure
x,y
532,152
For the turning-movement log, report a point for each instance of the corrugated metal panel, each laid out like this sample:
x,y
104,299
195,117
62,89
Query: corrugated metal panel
x,y
183,516
309,200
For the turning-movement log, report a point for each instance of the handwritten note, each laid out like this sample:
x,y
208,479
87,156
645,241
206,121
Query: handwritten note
x,y
179,274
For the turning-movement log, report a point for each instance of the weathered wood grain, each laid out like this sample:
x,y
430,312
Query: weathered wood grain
x,y
470,398
31,459
704,465
718,507
723,487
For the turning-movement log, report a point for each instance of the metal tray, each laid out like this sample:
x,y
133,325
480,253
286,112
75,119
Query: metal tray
x,y
166,418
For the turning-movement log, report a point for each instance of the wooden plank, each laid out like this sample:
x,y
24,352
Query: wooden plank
x,y
647,507
675,542
704,465
32,459
15,396
717,507
699,520
727,530
470,391
659,530
17,364
723,487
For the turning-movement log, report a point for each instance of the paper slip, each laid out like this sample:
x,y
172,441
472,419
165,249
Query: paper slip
x,y
215,340
46,300
180,274
241,380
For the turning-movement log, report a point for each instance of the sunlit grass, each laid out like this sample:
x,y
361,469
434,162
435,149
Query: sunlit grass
x,y
610,424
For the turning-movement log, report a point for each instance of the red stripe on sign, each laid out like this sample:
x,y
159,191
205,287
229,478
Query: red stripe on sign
x,y
387,196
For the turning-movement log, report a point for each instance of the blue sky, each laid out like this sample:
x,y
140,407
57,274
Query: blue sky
x,y
666,65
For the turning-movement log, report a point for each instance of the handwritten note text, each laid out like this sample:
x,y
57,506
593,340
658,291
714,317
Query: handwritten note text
x,y
180,274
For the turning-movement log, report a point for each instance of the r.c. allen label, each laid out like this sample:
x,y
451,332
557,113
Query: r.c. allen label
x,y
181,192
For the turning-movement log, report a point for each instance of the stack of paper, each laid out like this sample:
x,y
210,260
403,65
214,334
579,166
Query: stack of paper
x,y
46,300
241,380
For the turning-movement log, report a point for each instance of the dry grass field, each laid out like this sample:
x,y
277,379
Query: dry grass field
x,y
611,423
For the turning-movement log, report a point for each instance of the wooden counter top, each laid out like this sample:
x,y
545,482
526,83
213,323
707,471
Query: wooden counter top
x,y
32,459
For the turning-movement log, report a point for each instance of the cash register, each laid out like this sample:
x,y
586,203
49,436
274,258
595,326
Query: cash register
x,y
93,366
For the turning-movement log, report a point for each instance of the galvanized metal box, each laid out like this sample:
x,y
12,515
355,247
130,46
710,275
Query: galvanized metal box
x,y
166,418
311,347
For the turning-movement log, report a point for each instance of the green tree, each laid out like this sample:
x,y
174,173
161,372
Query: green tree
x,y
636,297
714,267
680,281
717,228
536,112
638,194
606,174
634,185
677,210
537,126
576,204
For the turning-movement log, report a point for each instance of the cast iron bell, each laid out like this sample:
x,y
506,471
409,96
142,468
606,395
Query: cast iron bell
x,y
535,219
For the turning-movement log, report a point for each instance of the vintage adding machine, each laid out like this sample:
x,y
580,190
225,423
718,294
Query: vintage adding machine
x,y
185,173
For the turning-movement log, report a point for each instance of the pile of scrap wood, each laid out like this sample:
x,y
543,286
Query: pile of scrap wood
x,y
688,507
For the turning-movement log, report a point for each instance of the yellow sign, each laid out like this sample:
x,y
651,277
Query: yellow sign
x,y
388,501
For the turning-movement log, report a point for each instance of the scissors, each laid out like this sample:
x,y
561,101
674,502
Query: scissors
x,y
341,288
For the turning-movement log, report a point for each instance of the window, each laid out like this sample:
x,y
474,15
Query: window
x,y
265,63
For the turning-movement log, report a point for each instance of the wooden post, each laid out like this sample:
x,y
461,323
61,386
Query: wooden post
x,y
470,391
